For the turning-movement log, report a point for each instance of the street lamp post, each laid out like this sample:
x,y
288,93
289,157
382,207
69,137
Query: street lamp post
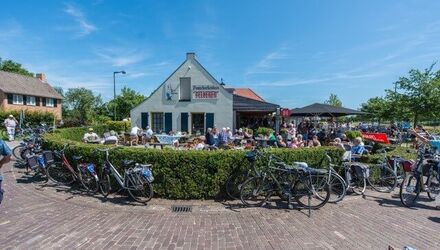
x,y
114,91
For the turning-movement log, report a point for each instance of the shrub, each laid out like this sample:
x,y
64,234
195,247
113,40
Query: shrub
x,y
118,125
264,131
33,118
351,134
183,174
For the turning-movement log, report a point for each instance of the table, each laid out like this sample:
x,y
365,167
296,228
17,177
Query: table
x,y
168,139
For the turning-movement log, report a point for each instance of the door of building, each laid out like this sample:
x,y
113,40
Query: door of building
x,y
198,123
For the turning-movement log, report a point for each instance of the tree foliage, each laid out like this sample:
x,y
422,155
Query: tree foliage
x,y
334,100
124,102
14,67
416,98
81,104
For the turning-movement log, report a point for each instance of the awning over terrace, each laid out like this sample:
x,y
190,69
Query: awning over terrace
x,y
324,110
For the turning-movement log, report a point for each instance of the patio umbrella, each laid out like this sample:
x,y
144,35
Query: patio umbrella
x,y
324,110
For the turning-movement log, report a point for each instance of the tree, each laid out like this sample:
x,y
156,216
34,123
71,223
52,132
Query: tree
x,y
127,100
81,103
11,66
419,93
377,108
334,101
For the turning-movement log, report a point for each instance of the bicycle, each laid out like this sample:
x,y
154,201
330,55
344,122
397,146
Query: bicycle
x,y
136,180
38,164
381,177
27,147
338,186
412,185
292,182
62,172
234,181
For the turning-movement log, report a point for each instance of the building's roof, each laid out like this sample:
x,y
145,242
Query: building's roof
x,y
325,110
244,104
26,85
245,92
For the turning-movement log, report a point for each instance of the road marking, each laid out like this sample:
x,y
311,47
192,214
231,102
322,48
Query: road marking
x,y
339,235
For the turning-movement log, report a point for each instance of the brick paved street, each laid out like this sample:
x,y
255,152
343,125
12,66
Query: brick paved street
x,y
36,216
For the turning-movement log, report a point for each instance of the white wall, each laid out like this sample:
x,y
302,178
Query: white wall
x,y
157,102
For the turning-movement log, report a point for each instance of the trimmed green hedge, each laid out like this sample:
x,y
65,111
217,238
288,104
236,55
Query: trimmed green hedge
x,y
118,125
183,174
34,118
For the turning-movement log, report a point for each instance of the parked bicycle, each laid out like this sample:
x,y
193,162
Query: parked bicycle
x,y
63,173
136,180
427,165
292,181
27,147
38,163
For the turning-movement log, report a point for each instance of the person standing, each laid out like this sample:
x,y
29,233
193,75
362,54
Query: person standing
x,y
6,152
10,124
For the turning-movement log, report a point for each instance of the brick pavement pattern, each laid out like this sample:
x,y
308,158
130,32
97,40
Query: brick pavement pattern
x,y
46,216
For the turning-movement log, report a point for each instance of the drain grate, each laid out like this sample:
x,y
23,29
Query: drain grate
x,y
181,209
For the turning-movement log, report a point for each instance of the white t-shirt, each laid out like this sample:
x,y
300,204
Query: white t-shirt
x,y
149,132
134,131
10,123
90,136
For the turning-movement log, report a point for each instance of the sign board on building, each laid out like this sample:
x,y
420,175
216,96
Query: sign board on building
x,y
205,91
285,113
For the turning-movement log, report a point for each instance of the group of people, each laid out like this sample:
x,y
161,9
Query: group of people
x,y
113,138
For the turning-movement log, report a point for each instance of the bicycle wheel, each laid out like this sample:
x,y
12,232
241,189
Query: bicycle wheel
x,y
433,184
310,195
409,190
16,151
338,189
40,175
104,183
358,184
60,174
233,185
89,181
255,191
382,179
139,188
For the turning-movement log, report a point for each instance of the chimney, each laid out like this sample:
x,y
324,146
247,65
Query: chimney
x,y
190,56
41,76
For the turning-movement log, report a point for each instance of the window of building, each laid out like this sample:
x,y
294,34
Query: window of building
x,y
30,100
185,89
198,123
157,122
49,102
17,99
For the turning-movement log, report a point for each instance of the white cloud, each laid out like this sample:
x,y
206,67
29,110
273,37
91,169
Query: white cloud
x,y
84,26
120,57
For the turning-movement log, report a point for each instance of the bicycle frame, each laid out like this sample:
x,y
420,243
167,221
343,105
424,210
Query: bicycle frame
x,y
123,181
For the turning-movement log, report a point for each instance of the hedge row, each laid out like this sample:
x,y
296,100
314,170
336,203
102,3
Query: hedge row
x,y
34,118
183,174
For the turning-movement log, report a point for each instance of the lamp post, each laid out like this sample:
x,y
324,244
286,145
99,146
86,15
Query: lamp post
x,y
114,91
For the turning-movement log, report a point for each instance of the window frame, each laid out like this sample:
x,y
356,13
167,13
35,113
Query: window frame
x,y
48,104
28,100
157,125
189,90
15,99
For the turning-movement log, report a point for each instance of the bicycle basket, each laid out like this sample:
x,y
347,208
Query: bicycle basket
x,y
32,161
407,165
48,156
360,170
145,171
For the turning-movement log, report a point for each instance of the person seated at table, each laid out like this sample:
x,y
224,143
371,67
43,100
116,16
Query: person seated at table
x,y
134,131
223,137
230,135
344,138
90,136
111,139
337,143
280,142
300,143
209,137
248,134
200,143
293,143
314,142
358,148
147,134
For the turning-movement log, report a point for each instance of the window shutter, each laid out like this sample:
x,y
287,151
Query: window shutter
x,y
168,122
55,101
184,122
44,101
209,120
37,101
24,100
9,98
144,120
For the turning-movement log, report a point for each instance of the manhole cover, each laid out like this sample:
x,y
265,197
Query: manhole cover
x,y
181,209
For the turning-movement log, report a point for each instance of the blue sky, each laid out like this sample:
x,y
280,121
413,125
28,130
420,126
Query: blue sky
x,y
292,53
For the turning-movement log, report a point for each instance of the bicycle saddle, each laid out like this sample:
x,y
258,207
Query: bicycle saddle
x,y
76,157
128,163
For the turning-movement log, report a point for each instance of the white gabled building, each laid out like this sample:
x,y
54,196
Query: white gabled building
x,y
192,100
